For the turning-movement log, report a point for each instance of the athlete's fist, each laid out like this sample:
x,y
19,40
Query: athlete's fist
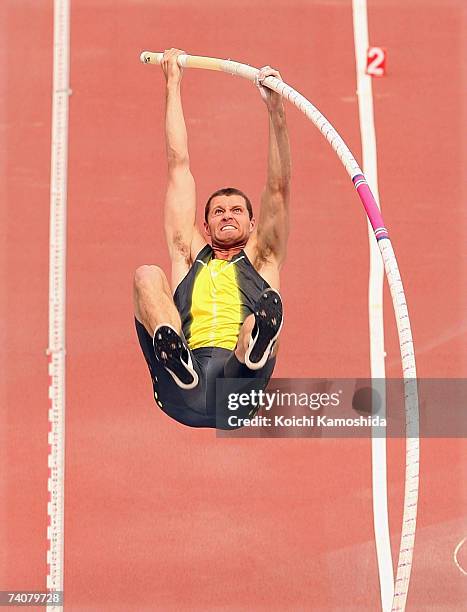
x,y
172,71
272,99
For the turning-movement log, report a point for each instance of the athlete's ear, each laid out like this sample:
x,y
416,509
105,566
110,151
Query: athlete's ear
x,y
206,229
252,224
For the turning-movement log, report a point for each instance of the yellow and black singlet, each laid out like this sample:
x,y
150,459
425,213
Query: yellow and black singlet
x,y
215,297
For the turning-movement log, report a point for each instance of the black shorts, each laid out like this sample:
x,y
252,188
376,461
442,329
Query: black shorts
x,y
220,374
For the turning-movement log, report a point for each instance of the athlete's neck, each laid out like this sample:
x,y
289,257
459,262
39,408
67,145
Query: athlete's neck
x,y
227,253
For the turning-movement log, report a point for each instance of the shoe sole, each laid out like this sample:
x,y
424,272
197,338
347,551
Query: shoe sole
x,y
168,348
269,318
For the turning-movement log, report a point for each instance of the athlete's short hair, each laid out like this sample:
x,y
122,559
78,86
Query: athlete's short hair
x,y
228,191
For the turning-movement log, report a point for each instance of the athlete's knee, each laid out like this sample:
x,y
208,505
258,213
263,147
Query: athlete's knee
x,y
149,276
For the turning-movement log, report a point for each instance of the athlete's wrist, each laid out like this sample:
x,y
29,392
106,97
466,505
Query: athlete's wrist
x,y
277,115
173,85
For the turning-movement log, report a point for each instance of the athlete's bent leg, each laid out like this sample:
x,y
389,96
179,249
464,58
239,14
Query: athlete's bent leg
x,y
156,310
153,299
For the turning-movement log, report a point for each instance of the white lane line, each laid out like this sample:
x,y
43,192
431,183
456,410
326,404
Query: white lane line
x,y
375,308
57,297
456,560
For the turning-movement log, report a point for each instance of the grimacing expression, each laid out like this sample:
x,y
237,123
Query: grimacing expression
x,y
228,222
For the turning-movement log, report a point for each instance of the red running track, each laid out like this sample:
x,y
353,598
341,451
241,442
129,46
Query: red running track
x,y
158,516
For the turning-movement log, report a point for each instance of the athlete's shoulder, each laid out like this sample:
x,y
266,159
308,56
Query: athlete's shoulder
x,y
198,244
204,254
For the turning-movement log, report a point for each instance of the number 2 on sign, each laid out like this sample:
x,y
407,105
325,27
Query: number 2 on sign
x,y
376,61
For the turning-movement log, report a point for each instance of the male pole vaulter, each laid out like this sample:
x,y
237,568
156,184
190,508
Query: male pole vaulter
x,y
225,315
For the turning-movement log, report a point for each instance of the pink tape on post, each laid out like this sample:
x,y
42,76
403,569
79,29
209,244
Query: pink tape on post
x,y
372,210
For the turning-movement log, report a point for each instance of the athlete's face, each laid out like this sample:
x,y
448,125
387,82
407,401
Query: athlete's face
x,y
228,222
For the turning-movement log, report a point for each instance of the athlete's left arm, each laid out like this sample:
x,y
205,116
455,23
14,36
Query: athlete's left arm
x,y
273,224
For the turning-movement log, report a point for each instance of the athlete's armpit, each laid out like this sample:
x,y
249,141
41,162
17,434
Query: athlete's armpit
x,y
180,210
273,227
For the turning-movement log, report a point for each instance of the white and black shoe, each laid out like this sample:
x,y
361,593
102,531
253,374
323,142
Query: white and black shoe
x,y
171,352
268,323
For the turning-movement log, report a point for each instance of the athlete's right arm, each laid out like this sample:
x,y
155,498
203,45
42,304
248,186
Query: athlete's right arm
x,y
183,238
